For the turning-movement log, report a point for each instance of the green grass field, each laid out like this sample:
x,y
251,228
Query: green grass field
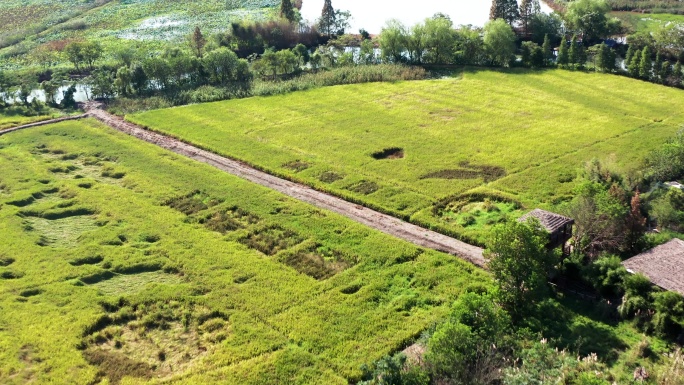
x,y
120,259
403,147
651,22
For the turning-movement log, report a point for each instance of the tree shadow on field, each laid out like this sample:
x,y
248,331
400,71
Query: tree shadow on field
x,y
579,327
507,71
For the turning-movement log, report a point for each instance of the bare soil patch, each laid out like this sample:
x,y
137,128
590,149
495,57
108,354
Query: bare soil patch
x,y
389,153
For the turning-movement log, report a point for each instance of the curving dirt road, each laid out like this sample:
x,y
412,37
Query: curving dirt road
x,y
385,223
41,123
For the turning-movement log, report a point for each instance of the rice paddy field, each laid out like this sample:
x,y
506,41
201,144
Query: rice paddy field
x,y
455,154
124,263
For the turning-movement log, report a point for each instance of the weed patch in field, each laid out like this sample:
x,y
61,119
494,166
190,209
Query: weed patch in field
x,y
10,274
127,284
271,240
231,219
469,171
89,260
296,165
389,153
192,203
364,187
158,339
317,262
6,261
330,177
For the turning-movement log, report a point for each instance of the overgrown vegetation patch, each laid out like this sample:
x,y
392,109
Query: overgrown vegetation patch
x,y
364,187
152,340
318,262
89,260
330,177
271,240
192,203
132,283
296,165
61,228
230,219
389,153
469,171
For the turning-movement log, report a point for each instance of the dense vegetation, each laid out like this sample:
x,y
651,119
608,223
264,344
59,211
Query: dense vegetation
x,y
113,252
523,148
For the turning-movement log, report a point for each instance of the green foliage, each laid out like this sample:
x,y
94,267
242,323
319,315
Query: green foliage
x,y
667,162
608,275
393,371
589,18
499,41
504,9
518,259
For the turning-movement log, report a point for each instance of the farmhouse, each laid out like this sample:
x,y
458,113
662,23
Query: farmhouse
x,y
558,226
663,265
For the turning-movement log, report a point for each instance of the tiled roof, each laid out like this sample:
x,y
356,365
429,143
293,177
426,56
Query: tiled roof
x,y
551,221
663,265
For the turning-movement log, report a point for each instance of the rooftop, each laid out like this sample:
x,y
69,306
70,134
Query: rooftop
x,y
663,265
552,222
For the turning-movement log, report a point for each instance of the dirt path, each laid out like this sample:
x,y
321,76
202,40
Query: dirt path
x,y
41,123
385,223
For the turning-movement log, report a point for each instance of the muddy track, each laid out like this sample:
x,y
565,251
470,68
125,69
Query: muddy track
x,y
385,223
41,123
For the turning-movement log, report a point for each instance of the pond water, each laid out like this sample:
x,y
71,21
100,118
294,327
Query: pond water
x,y
81,95
373,14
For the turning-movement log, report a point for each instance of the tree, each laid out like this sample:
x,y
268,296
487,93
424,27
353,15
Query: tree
x,y
645,64
504,9
677,73
327,22
629,55
393,41
139,79
158,70
574,54
633,66
547,50
499,41
588,17
287,11
198,42
302,53
82,54
470,346
658,68
605,59
439,40
223,66
563,55
528,9
518,259
101,84
124,81
599,212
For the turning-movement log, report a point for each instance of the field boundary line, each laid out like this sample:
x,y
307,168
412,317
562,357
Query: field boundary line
x,y
383,222
42,123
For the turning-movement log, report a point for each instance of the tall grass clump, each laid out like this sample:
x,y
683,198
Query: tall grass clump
x,y
340,76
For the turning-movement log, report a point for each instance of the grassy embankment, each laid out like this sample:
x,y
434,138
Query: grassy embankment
x,y
118,258
490,134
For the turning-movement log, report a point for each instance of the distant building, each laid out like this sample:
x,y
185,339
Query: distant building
x,y
558,226
663,265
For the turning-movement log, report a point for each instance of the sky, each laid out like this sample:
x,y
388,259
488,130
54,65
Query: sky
x,y
372,14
